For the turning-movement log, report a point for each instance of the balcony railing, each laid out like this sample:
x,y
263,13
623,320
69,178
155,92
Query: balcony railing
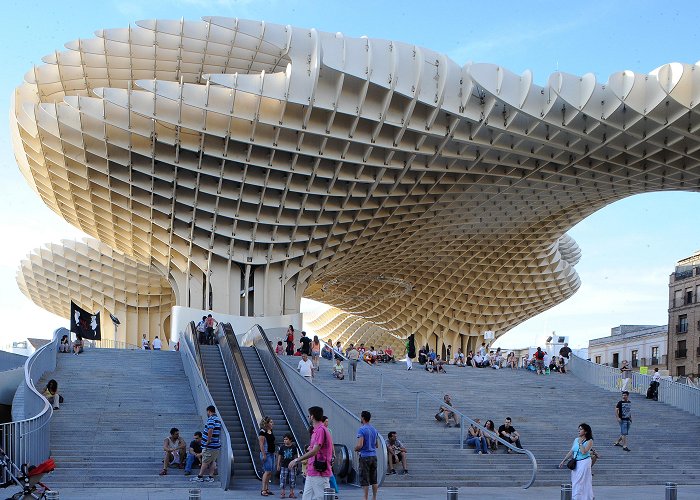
x,y
635,363
681,275
682,328
681,353
654,361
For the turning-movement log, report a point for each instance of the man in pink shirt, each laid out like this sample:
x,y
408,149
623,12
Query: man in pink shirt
x,y
318,470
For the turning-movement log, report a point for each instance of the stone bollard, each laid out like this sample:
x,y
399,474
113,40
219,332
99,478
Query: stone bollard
x,y
328,494
452,493
52,495
671,491
566,491
195,494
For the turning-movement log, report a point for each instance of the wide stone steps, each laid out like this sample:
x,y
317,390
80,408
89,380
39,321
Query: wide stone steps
x,y
119,407
546,410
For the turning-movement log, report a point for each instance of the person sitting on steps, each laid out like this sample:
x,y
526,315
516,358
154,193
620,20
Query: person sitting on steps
x,y
174,448
445,414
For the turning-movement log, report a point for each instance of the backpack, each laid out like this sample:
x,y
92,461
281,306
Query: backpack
x,y
201,327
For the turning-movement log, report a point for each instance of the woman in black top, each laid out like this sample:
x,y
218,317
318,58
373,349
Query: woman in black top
x,y
266,440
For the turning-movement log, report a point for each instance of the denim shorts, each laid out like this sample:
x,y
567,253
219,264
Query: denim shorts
x,y
624,427
269,463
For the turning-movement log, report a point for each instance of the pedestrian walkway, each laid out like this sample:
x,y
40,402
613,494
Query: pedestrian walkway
x,y
251,490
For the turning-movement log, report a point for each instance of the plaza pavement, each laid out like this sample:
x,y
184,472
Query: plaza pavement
x,y
251,490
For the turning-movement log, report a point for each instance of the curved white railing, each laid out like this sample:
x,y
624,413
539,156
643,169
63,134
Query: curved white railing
x,y
681,396
26,441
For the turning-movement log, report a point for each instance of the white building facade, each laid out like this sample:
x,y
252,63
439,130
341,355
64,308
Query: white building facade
x,y
641,345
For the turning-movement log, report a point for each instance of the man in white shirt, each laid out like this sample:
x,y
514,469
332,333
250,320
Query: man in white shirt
x,y
306,367
157,344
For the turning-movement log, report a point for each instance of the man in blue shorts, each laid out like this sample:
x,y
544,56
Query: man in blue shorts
x,y
367,438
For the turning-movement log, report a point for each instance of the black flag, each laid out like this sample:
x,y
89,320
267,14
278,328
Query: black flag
x,y
84,323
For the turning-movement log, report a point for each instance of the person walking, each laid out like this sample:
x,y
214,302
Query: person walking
x,y
623,411
409,362
625,374
306,368
367,439
318,469
581,476
315,352
266,441
353,355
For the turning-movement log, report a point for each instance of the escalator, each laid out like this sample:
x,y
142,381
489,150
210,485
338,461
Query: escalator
x,y
219,386
269,403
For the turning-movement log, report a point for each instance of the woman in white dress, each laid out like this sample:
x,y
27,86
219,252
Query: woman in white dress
x,y
581,478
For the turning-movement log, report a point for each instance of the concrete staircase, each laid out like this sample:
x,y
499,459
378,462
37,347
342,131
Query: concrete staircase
x,y
119,406
546,410
220,390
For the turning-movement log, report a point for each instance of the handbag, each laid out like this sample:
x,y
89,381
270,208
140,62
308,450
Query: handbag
x,y
571,464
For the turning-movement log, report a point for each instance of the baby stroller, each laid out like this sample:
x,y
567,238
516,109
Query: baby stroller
x,y
28,478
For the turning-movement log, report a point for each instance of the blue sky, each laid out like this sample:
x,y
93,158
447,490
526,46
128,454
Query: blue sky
x,y
629,248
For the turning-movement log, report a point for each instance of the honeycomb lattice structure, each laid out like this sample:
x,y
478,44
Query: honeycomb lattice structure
x,y
263,162
99,279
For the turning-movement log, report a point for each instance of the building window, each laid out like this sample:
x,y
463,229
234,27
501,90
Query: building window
x,y
597,360
677,298
654,355
616,360
681,352
635,359
680,371
689,296
682,326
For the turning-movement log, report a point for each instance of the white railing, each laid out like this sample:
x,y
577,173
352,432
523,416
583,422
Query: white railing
x,y
26,441
202,399
108,344
672,393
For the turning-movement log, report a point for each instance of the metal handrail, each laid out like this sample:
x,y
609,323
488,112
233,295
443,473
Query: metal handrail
x,y
683,396
202,399
27,440
108,344
241,387
292,410
192,331
347,420
463,417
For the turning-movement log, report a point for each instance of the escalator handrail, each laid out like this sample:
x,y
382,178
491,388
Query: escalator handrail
x,y
192,331
243,405
298,424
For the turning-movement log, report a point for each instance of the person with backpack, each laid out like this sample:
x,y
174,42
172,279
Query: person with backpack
x,y
202,330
